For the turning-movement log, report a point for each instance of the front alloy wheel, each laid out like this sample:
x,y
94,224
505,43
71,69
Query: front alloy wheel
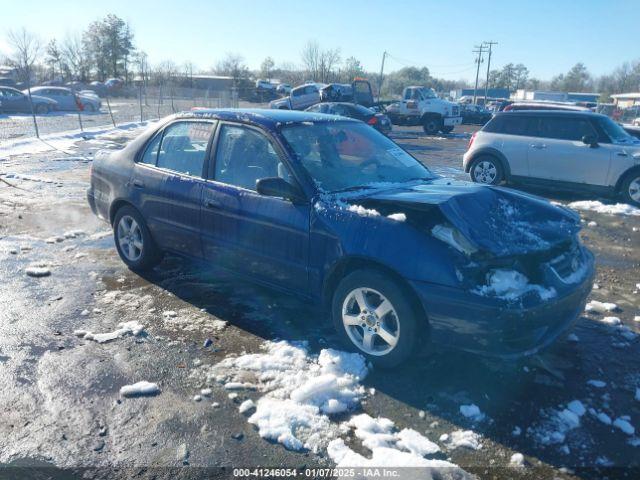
x,y
373,314
370,321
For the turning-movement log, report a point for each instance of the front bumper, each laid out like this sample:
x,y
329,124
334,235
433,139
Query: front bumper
x,y
494,327
452,121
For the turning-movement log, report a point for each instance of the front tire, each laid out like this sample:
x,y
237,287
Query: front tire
x,y
447,129
631,188
374,316
432,125
487,170
134,243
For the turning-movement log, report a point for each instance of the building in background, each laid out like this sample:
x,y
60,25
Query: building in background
x,y
626,100
546,96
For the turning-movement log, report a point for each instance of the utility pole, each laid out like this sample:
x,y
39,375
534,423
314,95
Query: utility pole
x,y
486,85
384,55
479,50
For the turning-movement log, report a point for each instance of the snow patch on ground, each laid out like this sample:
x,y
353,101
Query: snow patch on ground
x,y
461,439
302,396
140,389
511,285
517,460
472,411
600,307
127,328
557,423
599,207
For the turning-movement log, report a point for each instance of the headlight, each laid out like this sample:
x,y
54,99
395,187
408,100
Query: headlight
x,y
453,237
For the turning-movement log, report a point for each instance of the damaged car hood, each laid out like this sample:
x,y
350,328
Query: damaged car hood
x,y
497,220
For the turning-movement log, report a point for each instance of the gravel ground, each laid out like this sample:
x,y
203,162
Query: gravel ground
x,y
60,398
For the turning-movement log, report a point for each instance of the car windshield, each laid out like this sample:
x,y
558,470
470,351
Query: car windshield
x,y
349,155
615,131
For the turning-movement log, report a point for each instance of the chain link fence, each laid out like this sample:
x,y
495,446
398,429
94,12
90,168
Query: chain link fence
x,y
140,104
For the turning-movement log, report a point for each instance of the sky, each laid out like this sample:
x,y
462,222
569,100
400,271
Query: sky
x,y
548,36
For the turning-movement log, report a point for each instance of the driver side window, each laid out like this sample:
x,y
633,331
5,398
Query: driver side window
x,y
245,156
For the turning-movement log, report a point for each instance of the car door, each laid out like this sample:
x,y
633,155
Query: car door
x,y
15,101
514,137
167,184
558,153
264,237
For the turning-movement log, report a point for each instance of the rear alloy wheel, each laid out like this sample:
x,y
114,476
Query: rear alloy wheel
x,y
631,189
432,125
487,170
133,240
373,314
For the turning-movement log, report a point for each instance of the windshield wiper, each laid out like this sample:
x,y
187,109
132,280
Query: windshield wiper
x,y
353,188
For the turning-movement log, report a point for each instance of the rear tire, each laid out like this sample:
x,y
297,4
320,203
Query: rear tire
x,y
384,329
432,125
630,190
487,170
134,243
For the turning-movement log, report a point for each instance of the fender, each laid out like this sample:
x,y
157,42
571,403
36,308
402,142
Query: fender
x,y
494,153
635,168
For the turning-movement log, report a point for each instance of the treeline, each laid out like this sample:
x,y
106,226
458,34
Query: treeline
x,y
106,49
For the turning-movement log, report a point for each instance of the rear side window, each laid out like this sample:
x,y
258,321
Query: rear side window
x,y
510,124
184,147
562,128
150,155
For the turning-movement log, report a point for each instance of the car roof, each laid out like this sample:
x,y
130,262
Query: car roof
x,y
552,113
269,118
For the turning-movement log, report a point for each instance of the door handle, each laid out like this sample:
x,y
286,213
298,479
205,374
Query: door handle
x,y
622,154
138,184
212,204
538,146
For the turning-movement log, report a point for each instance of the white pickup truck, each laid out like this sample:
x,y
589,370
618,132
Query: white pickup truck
x,y
421,106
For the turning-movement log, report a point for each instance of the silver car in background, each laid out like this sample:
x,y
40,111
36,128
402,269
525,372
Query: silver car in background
x,y
67,99
574,151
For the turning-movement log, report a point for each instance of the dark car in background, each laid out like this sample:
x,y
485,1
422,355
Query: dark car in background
x,y
329,209
474,114
379,121
14,101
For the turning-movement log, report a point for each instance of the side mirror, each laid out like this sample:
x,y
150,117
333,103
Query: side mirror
x,y
590,140
278,187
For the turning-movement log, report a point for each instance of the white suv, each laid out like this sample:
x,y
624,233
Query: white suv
x,y
563,149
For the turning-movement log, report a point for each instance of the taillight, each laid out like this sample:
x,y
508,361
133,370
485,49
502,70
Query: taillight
x,y
471,140
373,120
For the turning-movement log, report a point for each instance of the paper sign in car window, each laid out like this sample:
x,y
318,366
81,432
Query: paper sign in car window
x,y
404,158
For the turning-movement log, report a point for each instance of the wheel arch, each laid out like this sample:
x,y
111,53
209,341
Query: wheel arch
x,y
504,163
624,175
431,115
117,205
347,265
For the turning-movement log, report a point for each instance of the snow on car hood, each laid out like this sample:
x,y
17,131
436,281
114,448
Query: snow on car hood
x,y
497,220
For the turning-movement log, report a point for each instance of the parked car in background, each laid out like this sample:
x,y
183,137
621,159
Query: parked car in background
x,y
265,85
474,114
7,82
421,106
566,150
15,101
283,88
379,121
331,210
636,122
69,100
543,106
300,98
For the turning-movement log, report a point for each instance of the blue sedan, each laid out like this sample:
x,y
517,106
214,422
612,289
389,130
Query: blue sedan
x,y
329,209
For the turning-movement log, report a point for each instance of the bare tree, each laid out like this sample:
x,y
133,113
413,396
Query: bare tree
x,y
26,49
311,59
75,58
329,59
267,67
233,65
